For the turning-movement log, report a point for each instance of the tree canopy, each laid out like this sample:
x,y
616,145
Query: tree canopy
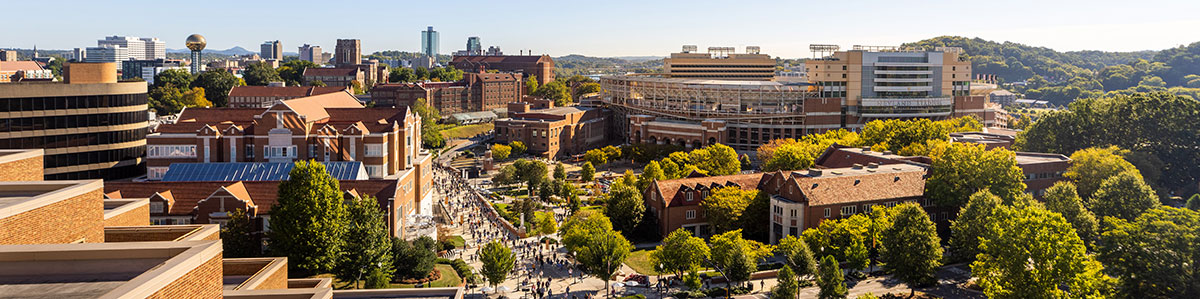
x,y
972,223
680,252
498,260
1154,255
217,83
1091,166
1123,196
961,169
1034,253
911,247
308,221
368,245
260,73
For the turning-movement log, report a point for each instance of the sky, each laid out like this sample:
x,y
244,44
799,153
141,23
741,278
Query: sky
x,y
607,28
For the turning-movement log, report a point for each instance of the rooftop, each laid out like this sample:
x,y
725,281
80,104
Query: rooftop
x,y
92,270
283,91
255,171
19,197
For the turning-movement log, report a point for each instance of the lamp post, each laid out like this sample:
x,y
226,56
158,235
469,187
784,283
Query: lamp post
x,y
659,280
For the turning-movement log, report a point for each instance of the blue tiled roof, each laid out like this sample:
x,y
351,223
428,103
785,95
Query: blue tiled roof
x,y
255,171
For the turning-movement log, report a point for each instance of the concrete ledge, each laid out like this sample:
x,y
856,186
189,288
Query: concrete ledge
x,y
424,293
154,233
310,283
261,271
279,294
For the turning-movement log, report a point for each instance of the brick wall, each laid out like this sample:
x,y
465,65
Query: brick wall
x,y
202,282
144,237
29,169
77,218
139,216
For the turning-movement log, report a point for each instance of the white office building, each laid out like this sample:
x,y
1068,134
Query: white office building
x,y
107,53
149,72
155,49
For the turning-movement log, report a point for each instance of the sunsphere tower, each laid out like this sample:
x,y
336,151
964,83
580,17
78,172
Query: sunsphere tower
x,y
196,43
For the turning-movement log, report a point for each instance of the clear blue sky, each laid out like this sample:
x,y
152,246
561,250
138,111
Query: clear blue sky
x,y
607,28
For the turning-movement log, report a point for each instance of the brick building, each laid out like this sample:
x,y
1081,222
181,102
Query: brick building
x,y
267,96
328,127
475,92
554,132
335,76
64,239
528,65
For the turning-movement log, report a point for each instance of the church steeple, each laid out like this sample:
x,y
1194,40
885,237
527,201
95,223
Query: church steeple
x,y
35,54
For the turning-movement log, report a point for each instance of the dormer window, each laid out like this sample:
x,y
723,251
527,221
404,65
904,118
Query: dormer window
x,y
689,196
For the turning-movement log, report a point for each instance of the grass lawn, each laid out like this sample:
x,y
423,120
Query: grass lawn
x,y
585,208
449,279
467,131
458,241
639,260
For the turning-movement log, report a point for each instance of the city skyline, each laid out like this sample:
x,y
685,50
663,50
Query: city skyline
x,y
644,30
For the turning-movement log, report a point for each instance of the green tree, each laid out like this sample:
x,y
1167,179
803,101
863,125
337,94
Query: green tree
x,y
238,236
1091,166
431,136
260,73
581,226
545,191
972,223
680,252
308,220
725,206
544,223
194,98
1061,198
595,157
788,158
787,286
651,173
603,254
585,88
624,206
736,256
1123,196
368,245
500,151
716,159
414,259
292,72
530,172
498,260
911,247
217,83
588,172
555,91
857,256
402,75
518,148
1155,255
831,280
317,83
560,172
175,78
531,85
797,255
960,169
1034,253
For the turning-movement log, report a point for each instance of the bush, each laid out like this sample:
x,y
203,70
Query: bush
x,y
720,292
770,266
688,294
463,270
634,296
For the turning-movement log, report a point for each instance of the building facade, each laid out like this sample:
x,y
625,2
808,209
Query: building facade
x,y
554,132
328,127
475,92
137,68
108,53
271,50
429,42
720,63
312,54
540,66
267,96
347,52
474,47
23,71
90,126
8,55
335,76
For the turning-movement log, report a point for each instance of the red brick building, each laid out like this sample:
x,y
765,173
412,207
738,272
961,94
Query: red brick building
x,y
475,92
335,76
528,65
267,96
556,131
329,127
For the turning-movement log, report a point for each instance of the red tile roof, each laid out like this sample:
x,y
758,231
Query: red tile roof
x,y
283,91
23,65
846,185
262,193
669,188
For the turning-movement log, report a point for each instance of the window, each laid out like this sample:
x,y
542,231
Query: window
x,y
374,171
689,196
171,151
375,150
704,194
156,207
249,151
690,214
156,173
849,210
793,213
867,208
312,151
286,151
826,212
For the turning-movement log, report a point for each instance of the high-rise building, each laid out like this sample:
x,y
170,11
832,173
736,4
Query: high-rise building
x,y
271,50
348,52
473,46
91,126
135,48
79,54
108,53
8,55
429,42
196,43
311,54
136,68
155,49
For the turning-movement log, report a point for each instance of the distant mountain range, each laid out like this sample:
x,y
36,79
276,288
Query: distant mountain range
x,y
231,51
